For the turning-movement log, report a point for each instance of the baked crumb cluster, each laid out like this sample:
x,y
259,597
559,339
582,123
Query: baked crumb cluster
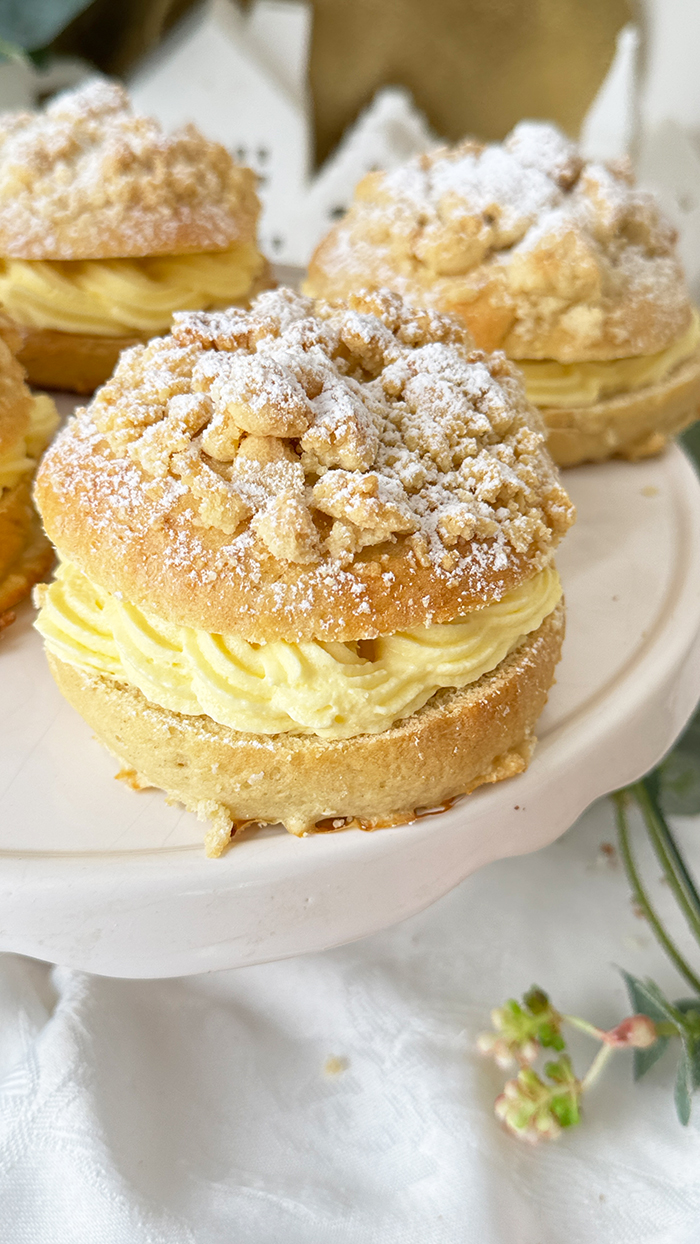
x,y
541,252
87,179
321,431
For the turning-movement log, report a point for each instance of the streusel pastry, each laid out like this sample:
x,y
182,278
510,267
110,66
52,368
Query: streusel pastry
x,y
561,262
27,423
306,563
108,226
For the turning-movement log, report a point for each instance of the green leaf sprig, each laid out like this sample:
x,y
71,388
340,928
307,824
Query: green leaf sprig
x,y
537,1106
31,24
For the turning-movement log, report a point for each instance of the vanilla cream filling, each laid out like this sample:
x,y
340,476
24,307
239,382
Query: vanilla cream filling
x,y
332,690
549,383
110,297
22,456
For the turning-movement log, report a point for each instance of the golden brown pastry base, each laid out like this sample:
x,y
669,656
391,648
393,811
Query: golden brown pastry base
x,y
26,555
81,362
76,362
632,425
456,742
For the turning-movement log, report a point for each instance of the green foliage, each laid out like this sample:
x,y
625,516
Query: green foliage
x,y
564,1104
643,998
683,1089
545,1026
647,999
10,51
535,1109
688,1076
679,774
681,1019
30,24
690,440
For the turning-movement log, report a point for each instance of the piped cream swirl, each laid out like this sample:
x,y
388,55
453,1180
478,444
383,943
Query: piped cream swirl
x,y
332,690
570,385
22,455
110,297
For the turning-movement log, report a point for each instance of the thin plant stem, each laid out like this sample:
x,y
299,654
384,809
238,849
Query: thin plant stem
x,y
663,856
602,1057
669,856
641,898
583,1025
663,1029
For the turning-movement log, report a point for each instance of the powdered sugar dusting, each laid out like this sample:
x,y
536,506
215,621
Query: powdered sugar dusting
x,y
320,434
87,179
538,250
493,182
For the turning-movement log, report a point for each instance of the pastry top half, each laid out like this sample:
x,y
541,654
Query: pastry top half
x,y
540,252
86,179
302,470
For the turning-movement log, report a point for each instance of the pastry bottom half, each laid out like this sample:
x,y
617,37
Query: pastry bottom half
x,y
631,425
456,742
26,555
81,362
76,362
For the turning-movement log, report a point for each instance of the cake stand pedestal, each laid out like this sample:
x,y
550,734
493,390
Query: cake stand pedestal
x,y
96,877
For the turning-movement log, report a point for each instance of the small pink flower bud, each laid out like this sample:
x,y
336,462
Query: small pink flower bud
x,y
503,1056
501,1105
546,1128
485,1042
529,1052
525,1108
507,1053
637,1032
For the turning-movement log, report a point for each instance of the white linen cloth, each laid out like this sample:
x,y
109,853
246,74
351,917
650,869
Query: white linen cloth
x,y
204,1109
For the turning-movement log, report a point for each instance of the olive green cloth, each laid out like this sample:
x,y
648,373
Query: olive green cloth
x,y
474,66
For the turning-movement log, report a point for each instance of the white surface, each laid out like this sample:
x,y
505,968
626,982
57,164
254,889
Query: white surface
x,y
241,77
608,128
197,1111
389,132
670,80
95,876
24,86
668,163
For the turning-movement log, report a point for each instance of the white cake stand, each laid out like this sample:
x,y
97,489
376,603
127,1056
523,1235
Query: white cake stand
x,y
97,877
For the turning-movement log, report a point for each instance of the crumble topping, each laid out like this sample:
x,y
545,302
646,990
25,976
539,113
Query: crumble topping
x,y
88,179
538,249
318,431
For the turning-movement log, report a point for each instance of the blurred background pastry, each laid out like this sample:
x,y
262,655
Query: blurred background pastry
x,y
561,262
108,225
27,423
303,548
